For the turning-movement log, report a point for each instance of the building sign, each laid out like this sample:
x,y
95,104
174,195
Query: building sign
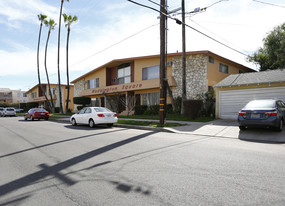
x,y
147,84
117,88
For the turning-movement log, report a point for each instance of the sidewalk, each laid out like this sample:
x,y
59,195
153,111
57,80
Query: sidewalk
x,y
216,128
213,128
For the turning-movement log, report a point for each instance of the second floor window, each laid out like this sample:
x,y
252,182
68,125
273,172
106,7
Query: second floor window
x,y
211,59
93,83
224,68
150,72
124,75
34,94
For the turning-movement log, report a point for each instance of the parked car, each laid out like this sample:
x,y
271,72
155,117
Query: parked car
x,y
9,111
18,110
94,116
37,113
265,113
1,111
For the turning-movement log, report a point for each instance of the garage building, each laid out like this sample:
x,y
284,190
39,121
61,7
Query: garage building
x,y
235,91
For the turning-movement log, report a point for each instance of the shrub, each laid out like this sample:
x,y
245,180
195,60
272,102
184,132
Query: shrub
x,y
140,109
193,108
56,110
153,109
32,105
82,100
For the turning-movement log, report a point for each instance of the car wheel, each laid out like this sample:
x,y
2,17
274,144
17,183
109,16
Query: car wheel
x,y
32,118
91,123
280,126
73,122
109,125
242,127
25,118
46,119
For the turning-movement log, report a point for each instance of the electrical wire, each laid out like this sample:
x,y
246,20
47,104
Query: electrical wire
x,y
180,22
269,3
114,44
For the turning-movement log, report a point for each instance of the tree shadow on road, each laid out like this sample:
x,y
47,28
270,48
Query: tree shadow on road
x,y
55,170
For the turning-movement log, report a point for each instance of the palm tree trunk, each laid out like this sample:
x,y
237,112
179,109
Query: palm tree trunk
x,y
38,65
58,51
38,54
67,71
51,99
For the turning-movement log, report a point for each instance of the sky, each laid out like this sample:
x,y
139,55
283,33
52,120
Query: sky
x,y
115,29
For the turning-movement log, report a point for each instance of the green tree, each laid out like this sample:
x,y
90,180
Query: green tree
x,y
272,54
41,18
68,19
51,24
58,57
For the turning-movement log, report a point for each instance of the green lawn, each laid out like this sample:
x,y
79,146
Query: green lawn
x,y
177,117
148,123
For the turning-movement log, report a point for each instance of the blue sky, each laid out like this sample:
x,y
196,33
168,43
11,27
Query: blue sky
x,y
114,29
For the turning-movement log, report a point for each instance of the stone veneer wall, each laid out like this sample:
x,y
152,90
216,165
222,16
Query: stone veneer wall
x,y
196,76
78,88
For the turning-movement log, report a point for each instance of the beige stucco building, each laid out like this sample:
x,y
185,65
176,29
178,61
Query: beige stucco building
x,y
136,80
35,94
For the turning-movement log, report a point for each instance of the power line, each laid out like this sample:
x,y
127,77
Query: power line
x,y
180,22
114,44
268,3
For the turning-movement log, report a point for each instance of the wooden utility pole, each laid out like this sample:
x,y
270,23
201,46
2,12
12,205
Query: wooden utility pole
x,y
162,62
183,59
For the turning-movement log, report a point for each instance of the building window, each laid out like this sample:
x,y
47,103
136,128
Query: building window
x,y
24,95
93,83
150,98
224,68
34,94
124,73
150,72
211,59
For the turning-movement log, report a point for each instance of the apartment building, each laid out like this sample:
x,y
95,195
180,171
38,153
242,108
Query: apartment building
x,y
36,94
135,81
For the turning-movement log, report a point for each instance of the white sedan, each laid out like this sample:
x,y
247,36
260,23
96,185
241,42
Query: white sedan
x,y
93,116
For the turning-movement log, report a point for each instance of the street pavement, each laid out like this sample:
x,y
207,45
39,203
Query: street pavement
x,y
216,128
54,163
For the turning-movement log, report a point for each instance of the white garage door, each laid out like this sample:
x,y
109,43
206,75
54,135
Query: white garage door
x,y
232,101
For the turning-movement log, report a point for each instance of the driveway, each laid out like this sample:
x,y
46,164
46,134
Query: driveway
x,y
230,129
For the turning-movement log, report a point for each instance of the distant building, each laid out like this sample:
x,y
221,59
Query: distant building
x,y
5,95
36,94
19,96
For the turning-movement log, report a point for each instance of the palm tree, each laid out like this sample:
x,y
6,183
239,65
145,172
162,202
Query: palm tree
x,y
58,51
41,19
68,19
51,24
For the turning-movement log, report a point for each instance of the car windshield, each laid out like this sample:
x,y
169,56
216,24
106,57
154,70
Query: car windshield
x,y
9,109
101,109
259,104
40,110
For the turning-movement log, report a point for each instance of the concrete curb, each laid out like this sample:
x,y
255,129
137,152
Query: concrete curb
x,y
157,129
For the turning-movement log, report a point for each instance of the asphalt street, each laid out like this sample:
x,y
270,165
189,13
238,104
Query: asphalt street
x,y
54,163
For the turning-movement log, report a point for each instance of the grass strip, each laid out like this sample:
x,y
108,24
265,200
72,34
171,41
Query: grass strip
x,y
148,123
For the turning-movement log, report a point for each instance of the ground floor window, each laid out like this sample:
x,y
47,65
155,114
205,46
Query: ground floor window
x,y
150,98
